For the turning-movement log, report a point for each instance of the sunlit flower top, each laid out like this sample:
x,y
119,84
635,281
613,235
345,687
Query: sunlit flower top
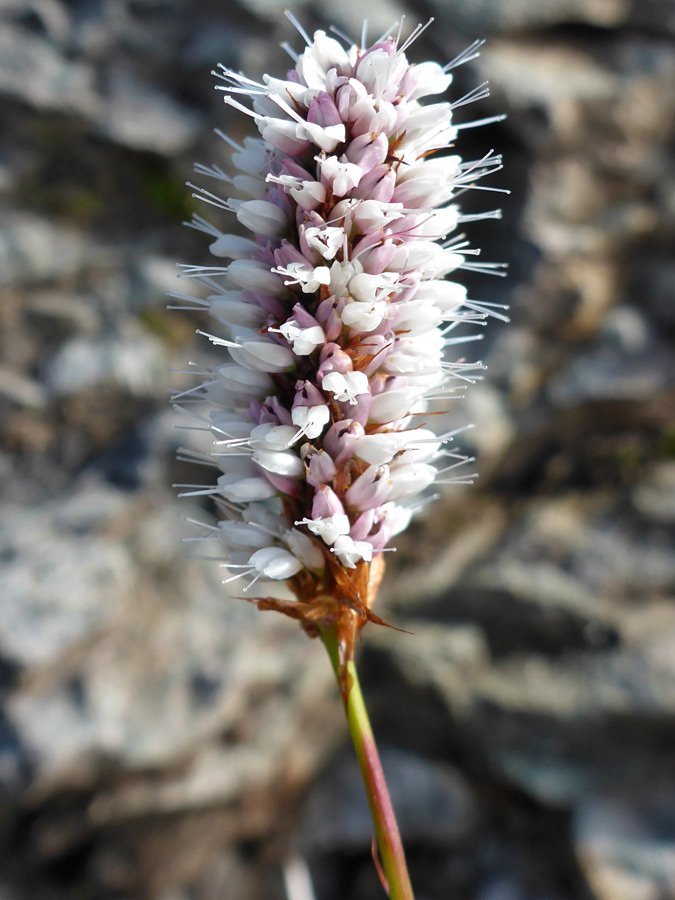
x,y
334,316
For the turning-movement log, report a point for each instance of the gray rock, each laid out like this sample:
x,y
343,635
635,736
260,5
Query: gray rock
x,y
21,391
488,16
8,893
132,360
139,115
558,73
628,363
268,9
382,15
128,110
142,458
502,887
33,250
149,698
555,727
654,497
98,27
51,14
213,43
657,14
150,32
591,543
139,673
656,278
626,844
153,277
35,72
550,645
576,554
514,364
62,313
63,578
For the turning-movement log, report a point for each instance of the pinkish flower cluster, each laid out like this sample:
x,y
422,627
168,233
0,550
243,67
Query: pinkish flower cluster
x,y
336,311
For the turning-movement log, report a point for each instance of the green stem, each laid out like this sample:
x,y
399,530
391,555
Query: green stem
x,y
387,834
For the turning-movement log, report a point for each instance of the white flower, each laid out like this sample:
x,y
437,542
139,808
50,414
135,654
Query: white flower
x,y
311,420
304,340
341,176
328,528
346,387
245,490
350,552
275,563
309,194
253,275
364,317
262,217
304,549
308,278
327,241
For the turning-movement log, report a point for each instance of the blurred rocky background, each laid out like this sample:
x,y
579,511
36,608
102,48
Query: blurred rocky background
x,y
159,742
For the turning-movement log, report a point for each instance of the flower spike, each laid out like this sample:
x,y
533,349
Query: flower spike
x,y
333,317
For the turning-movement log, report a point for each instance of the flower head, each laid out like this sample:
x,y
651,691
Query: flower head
x,y
334,316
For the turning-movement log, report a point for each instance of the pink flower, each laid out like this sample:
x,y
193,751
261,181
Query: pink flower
x,y
333,316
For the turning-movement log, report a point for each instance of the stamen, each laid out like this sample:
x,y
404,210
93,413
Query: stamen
x,y
298,27
481,92
451,342
251,583
490,309
462,462
212,172
467,479
386,34
228,140
192,271
199,493
193,456
466,56
208,197
486,268
200,524
239,575
218,341
477,217
417,32
479,122
291,52
449,435
198,302
420,504
482,187
341,34
202,556
189,391
240,106
400,28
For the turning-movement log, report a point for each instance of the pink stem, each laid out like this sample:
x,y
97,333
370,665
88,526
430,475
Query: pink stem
x,y
389,843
